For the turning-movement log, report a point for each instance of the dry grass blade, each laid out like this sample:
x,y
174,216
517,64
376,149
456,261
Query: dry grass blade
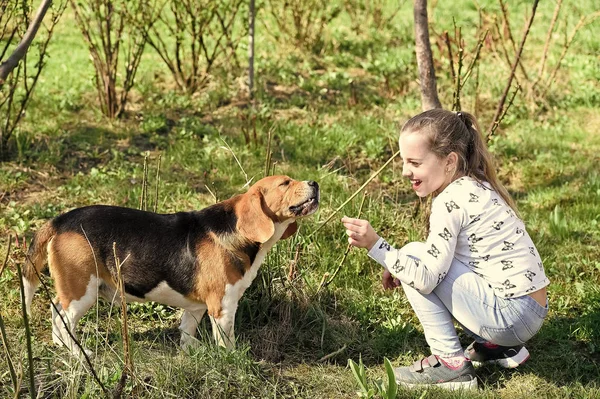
x,y
228,148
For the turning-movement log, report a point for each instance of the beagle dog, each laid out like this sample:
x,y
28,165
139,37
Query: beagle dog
x,y
200,260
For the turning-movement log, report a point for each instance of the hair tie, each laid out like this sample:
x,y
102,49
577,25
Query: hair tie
x,y
464,119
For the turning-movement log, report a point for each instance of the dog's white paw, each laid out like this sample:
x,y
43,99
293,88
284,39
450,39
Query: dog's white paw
x,y
188,342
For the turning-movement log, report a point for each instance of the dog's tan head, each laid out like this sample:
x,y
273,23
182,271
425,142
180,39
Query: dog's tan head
x,y
275,199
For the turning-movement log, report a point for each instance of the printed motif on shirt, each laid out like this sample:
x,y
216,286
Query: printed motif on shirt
x,y
385,245
433,251
446,235
507,264
451,205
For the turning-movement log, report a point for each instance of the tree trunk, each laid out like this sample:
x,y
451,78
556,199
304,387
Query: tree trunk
x,y
21,49
429,96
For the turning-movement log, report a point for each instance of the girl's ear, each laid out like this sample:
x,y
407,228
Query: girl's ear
x,y
452,161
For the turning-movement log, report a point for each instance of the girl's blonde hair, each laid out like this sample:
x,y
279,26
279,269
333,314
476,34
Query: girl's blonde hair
x,y
459,132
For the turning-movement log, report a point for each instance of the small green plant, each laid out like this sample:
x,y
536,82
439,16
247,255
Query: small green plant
x,y
558,223
387,390
358,370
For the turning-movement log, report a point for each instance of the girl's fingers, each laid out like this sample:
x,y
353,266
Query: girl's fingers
x,y
353,222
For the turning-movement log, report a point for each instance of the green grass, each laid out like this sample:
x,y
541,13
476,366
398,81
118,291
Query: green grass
x,y
334,117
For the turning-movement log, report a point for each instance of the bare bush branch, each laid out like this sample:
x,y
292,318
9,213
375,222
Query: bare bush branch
x,y
108,29
193,38
461,52
301,23
547,43
496,119
371,14
583,21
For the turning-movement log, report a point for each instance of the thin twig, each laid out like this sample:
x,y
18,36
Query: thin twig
x,y
332,354
374,175
461,51
582,22
13,374
11,368
6,258
510,102
128,368
510,36
348,248
446,38
474,60
547,44
507,22
157,183
495,120
269,154
144,195
32,390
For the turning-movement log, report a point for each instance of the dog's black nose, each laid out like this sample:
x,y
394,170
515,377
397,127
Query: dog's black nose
x,y
313,184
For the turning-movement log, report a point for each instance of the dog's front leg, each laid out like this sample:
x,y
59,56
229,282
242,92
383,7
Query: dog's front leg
x,y
189,325
222,328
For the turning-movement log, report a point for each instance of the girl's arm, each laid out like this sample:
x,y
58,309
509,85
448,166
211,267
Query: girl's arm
x,y
421,265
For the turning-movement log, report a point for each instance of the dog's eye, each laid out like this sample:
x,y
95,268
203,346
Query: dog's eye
x,y
285,183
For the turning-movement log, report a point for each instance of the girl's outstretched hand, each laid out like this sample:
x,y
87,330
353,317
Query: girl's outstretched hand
x,y
360,233
389,282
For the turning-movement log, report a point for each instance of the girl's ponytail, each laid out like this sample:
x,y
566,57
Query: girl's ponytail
x,y
479,162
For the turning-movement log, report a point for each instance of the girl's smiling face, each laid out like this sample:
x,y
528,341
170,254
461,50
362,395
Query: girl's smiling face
x,y
427,172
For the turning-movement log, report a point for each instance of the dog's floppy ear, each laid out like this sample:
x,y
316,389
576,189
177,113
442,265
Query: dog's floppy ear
x,y
253,222
290,231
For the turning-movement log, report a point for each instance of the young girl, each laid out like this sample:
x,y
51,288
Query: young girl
x,y
478,265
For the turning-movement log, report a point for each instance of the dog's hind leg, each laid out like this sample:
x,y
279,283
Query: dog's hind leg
x,y
189,324
77,278
69,312
29,288
57,332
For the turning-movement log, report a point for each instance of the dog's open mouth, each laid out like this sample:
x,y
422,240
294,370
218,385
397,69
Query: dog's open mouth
x,y
305,208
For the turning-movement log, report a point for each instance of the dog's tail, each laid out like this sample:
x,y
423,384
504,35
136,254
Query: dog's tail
x,y
36,261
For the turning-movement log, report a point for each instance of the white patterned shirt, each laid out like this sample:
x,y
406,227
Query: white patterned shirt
x,y
469,222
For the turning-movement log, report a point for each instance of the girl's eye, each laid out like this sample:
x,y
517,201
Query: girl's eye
x,y
414,164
